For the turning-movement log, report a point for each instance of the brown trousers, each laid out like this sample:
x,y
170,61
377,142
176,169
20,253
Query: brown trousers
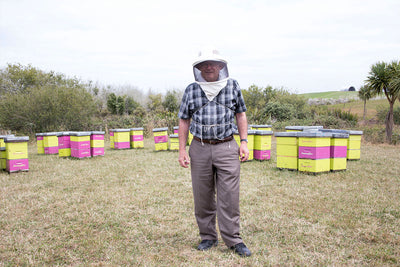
x,y
216,169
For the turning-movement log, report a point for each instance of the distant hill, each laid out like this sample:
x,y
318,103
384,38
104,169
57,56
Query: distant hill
x,y
332,95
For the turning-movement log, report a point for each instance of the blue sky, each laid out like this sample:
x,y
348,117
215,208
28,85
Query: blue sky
x,y
303,46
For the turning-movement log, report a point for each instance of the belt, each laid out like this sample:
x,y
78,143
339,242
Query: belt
x,y
214,141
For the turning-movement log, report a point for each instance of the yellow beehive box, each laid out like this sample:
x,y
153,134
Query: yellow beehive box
x,y
40,143
314,141
314,165
263,140
96,143
161,146
339,142
136,137
50,139
287,162
338,164
16,147
354,142
121,135
353,154
3,160
83,138
64,152
111,139
190,138
173,142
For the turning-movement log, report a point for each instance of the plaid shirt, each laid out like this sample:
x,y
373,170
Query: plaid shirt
x,y
212,119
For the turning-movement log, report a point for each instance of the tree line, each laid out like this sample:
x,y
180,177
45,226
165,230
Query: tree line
x,y
33,100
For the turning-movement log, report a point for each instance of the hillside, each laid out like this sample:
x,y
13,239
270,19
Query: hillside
x,y
332,95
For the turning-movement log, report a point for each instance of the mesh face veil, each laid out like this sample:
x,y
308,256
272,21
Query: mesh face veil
x,y
210,54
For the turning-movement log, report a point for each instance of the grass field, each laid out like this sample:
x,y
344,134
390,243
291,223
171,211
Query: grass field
x,y
135,208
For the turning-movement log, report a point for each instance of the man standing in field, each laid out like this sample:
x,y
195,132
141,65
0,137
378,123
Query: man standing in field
x,y
209,107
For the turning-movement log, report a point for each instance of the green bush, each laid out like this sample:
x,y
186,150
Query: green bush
x,y
382,112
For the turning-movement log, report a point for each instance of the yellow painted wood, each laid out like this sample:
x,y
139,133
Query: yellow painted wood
x,y
18,150
314,165
314,142
338,164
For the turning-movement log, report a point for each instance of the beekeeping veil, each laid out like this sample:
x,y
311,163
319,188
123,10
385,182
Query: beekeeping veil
x,y
211,89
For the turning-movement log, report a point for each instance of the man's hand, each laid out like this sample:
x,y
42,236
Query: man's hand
x,y
184,160
243,151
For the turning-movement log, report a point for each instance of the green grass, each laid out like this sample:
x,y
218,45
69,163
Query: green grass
x,y
135,207
332,94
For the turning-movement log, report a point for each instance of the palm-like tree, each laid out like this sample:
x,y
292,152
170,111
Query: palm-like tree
x,y
384,79
365,93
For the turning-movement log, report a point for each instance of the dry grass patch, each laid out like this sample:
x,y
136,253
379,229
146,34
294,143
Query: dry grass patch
x,y
135,207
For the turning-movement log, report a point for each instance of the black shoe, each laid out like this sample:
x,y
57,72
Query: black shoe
x,y
207,244
241,250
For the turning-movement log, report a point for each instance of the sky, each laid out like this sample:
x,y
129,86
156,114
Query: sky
x,y
303,46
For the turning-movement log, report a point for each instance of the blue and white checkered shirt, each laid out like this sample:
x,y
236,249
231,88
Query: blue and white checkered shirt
x,y
212,119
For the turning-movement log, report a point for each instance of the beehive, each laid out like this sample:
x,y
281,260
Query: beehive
x,y
176,129
161,138
16,153
287,150
136,136
262,145
2,137
50,143
64,144
80,145
97,143
339,151
173,142
314,151
40,143
122,138
354,145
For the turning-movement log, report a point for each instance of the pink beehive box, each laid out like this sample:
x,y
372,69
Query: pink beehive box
x,y
261,154
322,152
80,153
14,165
97,151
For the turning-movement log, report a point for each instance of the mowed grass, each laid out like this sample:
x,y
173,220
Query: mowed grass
x,y
135,207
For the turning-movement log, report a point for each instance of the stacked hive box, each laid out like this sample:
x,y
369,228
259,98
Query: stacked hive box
x,y
262,145
302,128
287,150
50,143
353,142
161,138
354,145
111,138
173,142
80,145
314,152
64,144
136,137
122,138
339,151
17,153
40,143
97,143
176,129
